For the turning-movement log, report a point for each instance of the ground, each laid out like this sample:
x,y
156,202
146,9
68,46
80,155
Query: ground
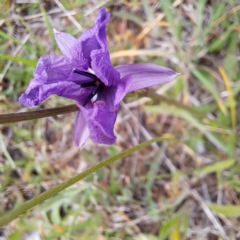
x,y
184,188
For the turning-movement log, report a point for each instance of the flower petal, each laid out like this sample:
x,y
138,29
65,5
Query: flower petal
x,y
146,74
35,96
100,122
53,68
81,130
113,95
92,39
65,42
102,66
100,23
53,75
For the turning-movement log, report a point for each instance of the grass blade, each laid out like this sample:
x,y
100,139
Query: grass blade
x,y
230,95
27,62
227,210
11,215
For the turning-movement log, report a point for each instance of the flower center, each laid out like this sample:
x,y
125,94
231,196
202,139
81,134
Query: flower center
x,y
96,83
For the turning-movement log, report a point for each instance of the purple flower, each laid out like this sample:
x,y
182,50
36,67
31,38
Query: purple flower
x,y
85,74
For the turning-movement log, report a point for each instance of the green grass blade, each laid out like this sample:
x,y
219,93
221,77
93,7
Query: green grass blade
x,y
13,39
168,226
190,118
6,154
216,167
11,215
27,62
227,210
48,26
208,83
218,44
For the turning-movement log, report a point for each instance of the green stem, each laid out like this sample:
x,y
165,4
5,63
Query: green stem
x,y
25,116
11,215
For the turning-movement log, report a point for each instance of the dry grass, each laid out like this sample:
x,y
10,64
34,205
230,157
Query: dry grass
x,y
186,189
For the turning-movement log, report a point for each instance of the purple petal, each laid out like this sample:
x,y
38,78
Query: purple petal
x,y
53,68
113,95
81,130
101,21
100,122
146,75
102,66
37,95
92,39
53,75
65,42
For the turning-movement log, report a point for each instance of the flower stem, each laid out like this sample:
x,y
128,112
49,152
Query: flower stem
x,y
11,215
25,116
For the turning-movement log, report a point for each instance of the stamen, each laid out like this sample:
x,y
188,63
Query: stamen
x,y
88,84
97,89
99,86
87,74
99,96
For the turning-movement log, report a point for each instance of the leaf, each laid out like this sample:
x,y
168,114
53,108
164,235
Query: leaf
x,y
175,235
200,5
218,10
226,210
15,40
230,95
28,62
218,44
168,227
48,25
208,83
171,18
216,167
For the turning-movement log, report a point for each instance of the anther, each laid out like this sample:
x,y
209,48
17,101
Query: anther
x,y
88,84
87,74
98,89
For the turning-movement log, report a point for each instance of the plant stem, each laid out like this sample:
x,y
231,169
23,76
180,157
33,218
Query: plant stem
x,y
25,116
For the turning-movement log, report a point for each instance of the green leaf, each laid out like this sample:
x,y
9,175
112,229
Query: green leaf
x,y
168,227
218,44
28,62
230,63
171,18
48,25
226,210
216,167
200,6
217,12
15,40
209,84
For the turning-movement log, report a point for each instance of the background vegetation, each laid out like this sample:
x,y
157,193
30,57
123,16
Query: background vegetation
x,y
182,189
